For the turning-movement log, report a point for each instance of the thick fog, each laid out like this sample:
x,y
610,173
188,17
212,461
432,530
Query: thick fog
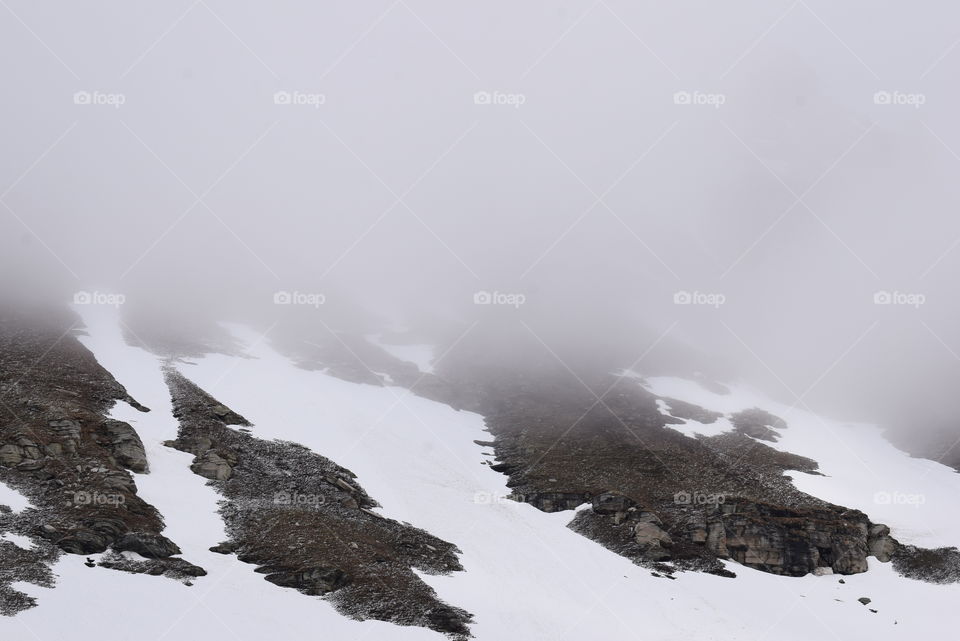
x,y
764,190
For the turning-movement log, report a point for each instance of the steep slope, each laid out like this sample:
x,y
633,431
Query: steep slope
x,y
307,523
525,573
60,448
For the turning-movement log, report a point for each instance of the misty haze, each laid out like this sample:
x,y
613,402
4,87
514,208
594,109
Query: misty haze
x,y
411,319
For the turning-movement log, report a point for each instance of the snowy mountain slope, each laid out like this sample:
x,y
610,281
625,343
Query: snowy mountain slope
x,y
916,497
526,574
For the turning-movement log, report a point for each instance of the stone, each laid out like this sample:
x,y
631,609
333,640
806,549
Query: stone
x,y
125,446
313,581
10,455
880,544
864,600
611,503
212,466
152,546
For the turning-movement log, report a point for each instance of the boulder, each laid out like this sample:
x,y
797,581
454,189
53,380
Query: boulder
x,y
313,581
152,546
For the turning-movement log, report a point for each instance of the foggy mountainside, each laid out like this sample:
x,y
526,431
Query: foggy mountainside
x,y
569,320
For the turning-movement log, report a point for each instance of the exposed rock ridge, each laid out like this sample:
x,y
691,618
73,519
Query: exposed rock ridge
x,y
59,448
307,524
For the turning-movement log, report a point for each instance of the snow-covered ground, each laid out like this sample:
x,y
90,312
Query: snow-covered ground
x,y
12,498
917,498
526,575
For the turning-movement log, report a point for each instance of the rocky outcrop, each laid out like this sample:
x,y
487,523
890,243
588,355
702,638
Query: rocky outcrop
x,y
124,445
758,423
306,523
60,449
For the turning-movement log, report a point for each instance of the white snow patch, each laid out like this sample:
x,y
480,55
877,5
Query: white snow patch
x,y
17,539
12,498
917,498
527,575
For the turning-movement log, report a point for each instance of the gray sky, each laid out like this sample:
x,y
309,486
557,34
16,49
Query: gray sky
x,y
778,189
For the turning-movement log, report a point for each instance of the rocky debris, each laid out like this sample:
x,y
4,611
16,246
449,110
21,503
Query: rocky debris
x,y
172,568
306,523
60,449
758,423
152,546
880,543
654,541
315,581
124,444
659,497
689,411
940,565
864,600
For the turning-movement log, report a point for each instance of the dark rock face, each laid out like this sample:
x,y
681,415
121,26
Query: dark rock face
x,y
124,444
314,581
59,448
152,546
758,423
684,410
307,524
941,565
